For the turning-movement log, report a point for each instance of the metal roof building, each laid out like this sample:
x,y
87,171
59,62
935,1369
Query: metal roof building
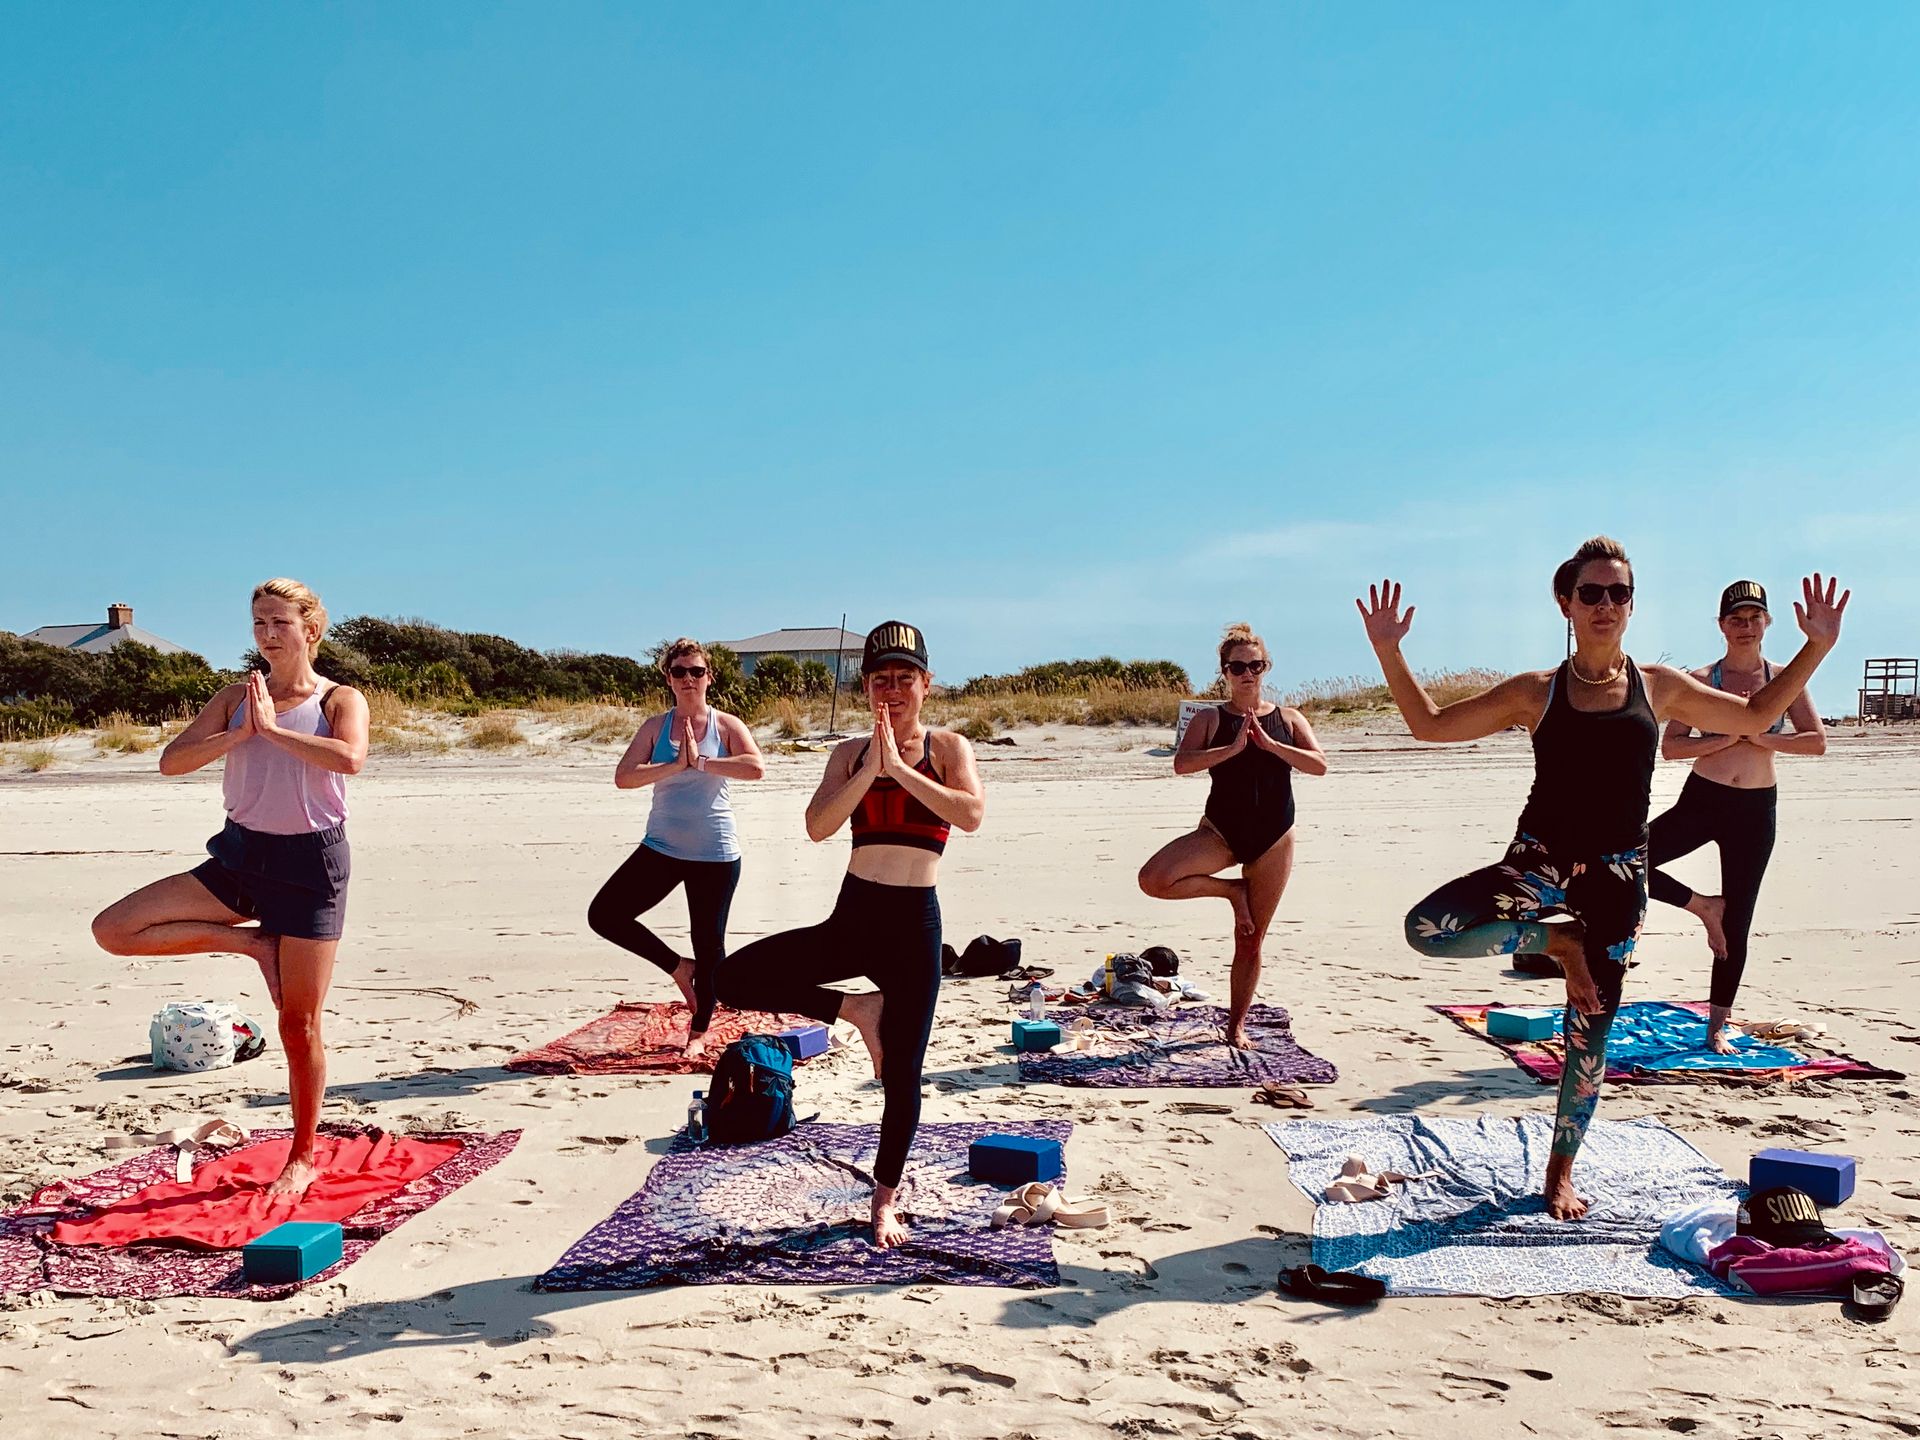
x,y
826,644
119,629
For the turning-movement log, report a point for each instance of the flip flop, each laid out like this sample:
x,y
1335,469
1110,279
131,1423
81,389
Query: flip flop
x,y
1334,1287
1039,1203
1784,1030
1874,1296
1026,972
1282,1097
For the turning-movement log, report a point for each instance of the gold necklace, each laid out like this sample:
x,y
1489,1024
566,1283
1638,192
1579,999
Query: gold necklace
x,y
1618,670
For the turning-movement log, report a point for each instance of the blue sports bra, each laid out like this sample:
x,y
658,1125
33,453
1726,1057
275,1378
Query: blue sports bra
x,y
1717,679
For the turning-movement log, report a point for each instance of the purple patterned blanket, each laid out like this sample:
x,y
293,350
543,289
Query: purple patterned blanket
x,y
793,1211
1178,1048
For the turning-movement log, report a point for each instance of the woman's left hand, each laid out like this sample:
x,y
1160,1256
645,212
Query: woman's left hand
x,y
1819,616
1257,733
890,765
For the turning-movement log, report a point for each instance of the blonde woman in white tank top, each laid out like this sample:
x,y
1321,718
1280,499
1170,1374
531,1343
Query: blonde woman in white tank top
x,y
275,888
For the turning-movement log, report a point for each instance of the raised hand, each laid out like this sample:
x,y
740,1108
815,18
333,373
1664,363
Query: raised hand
x,y
690,756
874,762
1257,734
888,747
1386,626
1818,612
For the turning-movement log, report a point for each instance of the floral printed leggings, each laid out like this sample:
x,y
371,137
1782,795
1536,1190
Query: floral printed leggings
x,y
1497,911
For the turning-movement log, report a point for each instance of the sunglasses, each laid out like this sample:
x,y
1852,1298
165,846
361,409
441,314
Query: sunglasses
x,y
1590,594
1247,667
687,672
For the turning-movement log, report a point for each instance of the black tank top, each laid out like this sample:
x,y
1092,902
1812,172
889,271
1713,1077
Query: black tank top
x,y
1592,772
1252,782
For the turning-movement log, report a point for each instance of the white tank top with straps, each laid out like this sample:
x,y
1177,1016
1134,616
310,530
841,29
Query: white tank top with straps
x,y
273,790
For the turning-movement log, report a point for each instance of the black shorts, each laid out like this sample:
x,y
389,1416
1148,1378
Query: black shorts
x,y
294,885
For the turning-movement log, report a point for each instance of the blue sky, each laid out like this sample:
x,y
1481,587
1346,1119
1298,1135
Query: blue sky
x,y
1058,329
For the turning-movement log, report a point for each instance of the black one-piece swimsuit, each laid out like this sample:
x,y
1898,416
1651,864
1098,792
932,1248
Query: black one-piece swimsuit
x,y
1251,802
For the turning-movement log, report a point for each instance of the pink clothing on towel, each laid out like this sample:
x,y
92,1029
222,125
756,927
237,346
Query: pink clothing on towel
x,y
1778,1270
276,792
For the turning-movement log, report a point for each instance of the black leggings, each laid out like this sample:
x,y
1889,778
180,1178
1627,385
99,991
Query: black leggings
x,y
1741,823
646,879
890,934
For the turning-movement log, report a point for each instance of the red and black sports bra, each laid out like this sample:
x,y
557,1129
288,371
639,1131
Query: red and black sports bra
x,y
888,815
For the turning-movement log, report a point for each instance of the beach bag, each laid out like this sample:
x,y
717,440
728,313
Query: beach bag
x,y
203,1035
751,1096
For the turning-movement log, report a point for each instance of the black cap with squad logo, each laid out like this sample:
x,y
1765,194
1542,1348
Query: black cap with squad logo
x,y
895,640
1783,1216
1742,593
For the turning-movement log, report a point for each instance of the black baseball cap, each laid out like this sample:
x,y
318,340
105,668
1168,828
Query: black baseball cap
x,y
1783,1216
895,640
1741,593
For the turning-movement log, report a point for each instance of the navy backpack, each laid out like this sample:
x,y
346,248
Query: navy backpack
x,y
751,1096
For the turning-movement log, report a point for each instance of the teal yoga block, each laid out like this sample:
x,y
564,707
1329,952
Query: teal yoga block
x,y
1522,1022
289,1253
1035,1034
1015,1159
1827,1178
803,1042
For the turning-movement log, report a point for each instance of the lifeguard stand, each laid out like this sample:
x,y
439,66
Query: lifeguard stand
x,y
1890,691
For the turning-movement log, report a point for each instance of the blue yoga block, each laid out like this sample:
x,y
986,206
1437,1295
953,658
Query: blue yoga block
x,y
297,1250
1015,1159
804,1042
1827,1178
1035,1034
1522,1022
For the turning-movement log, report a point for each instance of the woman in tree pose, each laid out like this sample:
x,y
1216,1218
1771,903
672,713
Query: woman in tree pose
x,y
903,788
1249,748
290,738
1729,800
689,755
1581,848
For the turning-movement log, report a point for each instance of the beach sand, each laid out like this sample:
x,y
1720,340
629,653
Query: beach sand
x,y
472,874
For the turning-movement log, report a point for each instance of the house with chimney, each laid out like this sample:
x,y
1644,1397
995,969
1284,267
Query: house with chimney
x,y
97,639
839,650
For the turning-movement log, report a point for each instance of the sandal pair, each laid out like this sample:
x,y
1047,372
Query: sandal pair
x,y
1282,1097
1042,1204
1335,1287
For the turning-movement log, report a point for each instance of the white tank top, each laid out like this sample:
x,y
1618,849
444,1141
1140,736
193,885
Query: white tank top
x,y
275,791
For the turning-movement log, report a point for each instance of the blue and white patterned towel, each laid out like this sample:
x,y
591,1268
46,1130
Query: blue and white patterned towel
x,y
1481,1228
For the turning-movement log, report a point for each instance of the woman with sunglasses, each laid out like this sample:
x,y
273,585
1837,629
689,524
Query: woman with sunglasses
x,y
1249,748
1729,800
688,755
903,788
1581,846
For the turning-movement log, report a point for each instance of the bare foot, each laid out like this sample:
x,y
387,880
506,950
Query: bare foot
x,y
1242,911
1568,945
889,1229
294,1178
696,1046
1563,1201
1720,1038
265,950
683,977
1712,910
863,1013
1236,1036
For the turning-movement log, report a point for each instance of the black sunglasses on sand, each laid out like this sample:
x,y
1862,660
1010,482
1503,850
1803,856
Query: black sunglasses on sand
x,y
1246,667
1590,594
686,672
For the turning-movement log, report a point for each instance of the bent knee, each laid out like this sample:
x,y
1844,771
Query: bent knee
x,y
1420,931
1153,880
111,933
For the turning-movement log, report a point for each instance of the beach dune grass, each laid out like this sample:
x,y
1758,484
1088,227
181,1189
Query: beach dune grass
x,y
123,735
496,730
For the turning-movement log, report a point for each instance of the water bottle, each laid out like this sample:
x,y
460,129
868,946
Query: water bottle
x,y
697,1118
1036,1001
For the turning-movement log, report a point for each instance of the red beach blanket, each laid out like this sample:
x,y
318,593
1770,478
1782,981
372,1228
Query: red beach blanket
x,y
226,1203
641,1039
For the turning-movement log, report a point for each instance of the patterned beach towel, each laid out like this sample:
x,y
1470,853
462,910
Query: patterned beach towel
x,y
643,1039
794,1211
1481,1228
1137,1048
30,1260
1665,1041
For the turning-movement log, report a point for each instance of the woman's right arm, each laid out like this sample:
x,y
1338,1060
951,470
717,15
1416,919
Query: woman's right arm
x,y
636,767
207,738
841,789
1517,700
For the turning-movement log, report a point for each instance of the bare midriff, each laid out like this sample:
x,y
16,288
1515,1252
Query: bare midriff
x,y
895,865
1741,766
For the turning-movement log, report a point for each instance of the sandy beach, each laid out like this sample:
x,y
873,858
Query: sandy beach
x,y
472,874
